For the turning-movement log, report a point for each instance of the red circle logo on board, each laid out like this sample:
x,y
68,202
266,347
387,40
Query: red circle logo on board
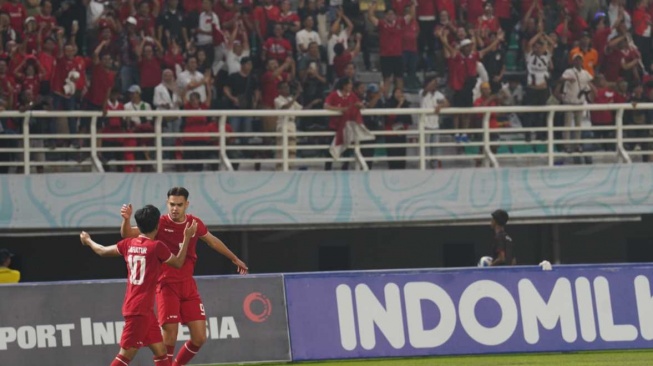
x,y
257,307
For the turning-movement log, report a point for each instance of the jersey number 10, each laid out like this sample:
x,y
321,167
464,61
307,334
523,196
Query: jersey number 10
x,y
136,274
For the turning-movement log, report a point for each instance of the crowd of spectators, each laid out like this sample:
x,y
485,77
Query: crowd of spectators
x,y
267,54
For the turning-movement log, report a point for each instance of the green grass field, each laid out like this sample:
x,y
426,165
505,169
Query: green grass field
x,y
608,358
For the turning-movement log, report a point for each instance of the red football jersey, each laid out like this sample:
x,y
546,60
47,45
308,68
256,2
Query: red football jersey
x,y
144,259
172,235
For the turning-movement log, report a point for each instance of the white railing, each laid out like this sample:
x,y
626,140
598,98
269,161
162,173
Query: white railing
x,y
485,153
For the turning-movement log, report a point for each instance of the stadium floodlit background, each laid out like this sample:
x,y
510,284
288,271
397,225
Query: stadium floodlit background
x,y
345,263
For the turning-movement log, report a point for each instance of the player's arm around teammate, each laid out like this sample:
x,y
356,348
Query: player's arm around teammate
x,y
128,231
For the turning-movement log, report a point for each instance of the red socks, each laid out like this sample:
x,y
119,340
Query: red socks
x,y
162,361
186,353
120,360
171,353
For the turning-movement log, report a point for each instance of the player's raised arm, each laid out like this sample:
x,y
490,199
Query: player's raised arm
x,y
220,247
101,250
178,260
126,230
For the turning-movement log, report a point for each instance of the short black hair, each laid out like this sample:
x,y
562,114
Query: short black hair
x,y
4,255
178,191
501,217
147,219
339,49
342,82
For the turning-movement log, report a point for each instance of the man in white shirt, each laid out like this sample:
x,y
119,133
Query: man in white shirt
x,y
166,98
137,104
431,98
576,89
192,81
307,35
288,102
208,21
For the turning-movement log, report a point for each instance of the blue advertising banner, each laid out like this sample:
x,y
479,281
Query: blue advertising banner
x,y
485,310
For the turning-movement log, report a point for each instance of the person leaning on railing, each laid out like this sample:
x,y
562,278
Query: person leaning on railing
x,y
113,125
398,123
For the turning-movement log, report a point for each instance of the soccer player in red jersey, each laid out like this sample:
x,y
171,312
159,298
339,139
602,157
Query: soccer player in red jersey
x,y
144,256
177,298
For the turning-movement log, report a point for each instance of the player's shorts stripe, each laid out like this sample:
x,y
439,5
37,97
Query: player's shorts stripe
x,y
121,361
190,350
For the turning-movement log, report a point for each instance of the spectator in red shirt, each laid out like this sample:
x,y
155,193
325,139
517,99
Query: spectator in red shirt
x,y
288,19
409,45
112,125
103,78
150,71
345,101
604,95
270,80
344,57
196,124
487,23
173,58
32,36
17,14
145,20
642,32
46,22
277,47
600,37
487,99
67,73
390,36
463,75
30,73
266,16
472,8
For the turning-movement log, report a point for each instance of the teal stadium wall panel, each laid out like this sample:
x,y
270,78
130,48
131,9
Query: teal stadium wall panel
x,y
57,201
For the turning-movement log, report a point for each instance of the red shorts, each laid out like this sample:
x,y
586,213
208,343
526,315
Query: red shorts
x,y
179,302
140,331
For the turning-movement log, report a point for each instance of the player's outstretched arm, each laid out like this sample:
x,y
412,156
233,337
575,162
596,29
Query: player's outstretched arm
x,y
101,250
220,247
126,230
178,260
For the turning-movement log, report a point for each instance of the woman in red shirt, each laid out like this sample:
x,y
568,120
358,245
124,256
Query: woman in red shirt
x,y
343,100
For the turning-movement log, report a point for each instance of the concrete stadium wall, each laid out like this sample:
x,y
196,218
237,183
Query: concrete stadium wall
x,y
369,314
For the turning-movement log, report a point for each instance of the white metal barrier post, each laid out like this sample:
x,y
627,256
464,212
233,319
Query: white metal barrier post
x,y
490,159
26,152
550,148
621,151
224,159
284,138
422,141
94,155
158,142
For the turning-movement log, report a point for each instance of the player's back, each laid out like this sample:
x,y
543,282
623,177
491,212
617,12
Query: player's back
x,y
171,233
144,259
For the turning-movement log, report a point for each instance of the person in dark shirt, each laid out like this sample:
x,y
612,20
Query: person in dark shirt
x,y
503,250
